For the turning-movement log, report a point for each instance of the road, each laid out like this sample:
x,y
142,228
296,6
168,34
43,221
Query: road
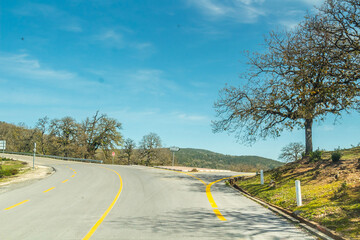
x,y
91,201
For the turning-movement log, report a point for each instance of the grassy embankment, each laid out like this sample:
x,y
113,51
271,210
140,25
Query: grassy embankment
x,y
9,168
330,190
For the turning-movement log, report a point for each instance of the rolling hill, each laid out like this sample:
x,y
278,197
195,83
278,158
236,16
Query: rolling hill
x,y
207,159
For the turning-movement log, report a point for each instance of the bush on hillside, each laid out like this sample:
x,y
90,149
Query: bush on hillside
x,y
315,156
336,156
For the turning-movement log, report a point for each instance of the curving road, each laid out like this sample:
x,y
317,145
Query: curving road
x,y
89,201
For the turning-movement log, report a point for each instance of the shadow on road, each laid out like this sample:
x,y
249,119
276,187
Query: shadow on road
x,y
204,224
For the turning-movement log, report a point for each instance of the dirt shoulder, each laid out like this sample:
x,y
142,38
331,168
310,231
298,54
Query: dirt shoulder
x,y
25,177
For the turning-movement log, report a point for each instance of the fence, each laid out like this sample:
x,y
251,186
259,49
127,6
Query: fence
x,y
57,157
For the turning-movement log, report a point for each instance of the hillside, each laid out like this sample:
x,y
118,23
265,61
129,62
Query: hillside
x,y
207,159
330,190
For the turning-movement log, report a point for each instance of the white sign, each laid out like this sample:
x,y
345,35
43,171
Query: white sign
x,y
174,149
2,144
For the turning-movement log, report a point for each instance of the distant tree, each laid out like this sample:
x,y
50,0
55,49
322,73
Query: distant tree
x,y
64,134
100,131
42,126
290,85
149,146
292,152
129,146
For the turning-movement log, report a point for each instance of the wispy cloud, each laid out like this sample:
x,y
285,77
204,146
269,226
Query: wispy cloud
x,y
59,18
27,67
110,38
115,38
195,118
151,81
313,2
24,68
245,11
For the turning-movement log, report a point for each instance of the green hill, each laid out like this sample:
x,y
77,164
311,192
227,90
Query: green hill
x,y
207,159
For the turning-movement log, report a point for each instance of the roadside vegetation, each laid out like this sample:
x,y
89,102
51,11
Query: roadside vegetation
x,y
330,189
10,168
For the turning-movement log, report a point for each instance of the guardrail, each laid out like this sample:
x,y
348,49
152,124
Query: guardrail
x,y
56,157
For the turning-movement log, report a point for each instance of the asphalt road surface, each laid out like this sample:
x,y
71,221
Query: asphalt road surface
x,y
92,201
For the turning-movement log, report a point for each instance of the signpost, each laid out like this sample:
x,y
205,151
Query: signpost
x,y
173,150
3,145
113,155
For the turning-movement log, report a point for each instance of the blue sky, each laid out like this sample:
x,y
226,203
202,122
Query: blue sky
x,y
156,66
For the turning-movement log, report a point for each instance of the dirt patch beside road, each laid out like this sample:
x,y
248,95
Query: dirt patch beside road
x,y
26,177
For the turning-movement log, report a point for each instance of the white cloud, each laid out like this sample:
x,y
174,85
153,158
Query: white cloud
x,y
25,69
114,38
246,11
24,66
195,118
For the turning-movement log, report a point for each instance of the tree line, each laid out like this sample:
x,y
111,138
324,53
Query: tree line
x,y
304,75
95,137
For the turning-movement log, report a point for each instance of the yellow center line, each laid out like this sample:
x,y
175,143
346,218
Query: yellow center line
x,y
65,180
73,176
16,204
49,189
97,224
208,192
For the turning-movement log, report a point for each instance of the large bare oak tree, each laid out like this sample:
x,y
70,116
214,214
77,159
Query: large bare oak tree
x,y
301,78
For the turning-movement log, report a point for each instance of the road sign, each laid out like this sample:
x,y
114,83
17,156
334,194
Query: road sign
x,y
174,149
2,144
113,154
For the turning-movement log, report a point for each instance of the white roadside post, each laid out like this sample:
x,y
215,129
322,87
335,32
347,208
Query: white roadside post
x,y
262,177
34,156
173,150
298,193
113,155
3,145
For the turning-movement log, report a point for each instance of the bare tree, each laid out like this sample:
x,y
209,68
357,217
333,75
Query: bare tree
x,y
291,85
149,146
102,132
292,152
342,18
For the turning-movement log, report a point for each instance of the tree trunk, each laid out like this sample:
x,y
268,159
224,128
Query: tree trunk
x,y
308,136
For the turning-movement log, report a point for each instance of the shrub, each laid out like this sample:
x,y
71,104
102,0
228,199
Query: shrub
x,y
341,192
14,171
277,175
336,156
315,156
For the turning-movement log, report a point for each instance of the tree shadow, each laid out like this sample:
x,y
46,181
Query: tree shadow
x,y
204,224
